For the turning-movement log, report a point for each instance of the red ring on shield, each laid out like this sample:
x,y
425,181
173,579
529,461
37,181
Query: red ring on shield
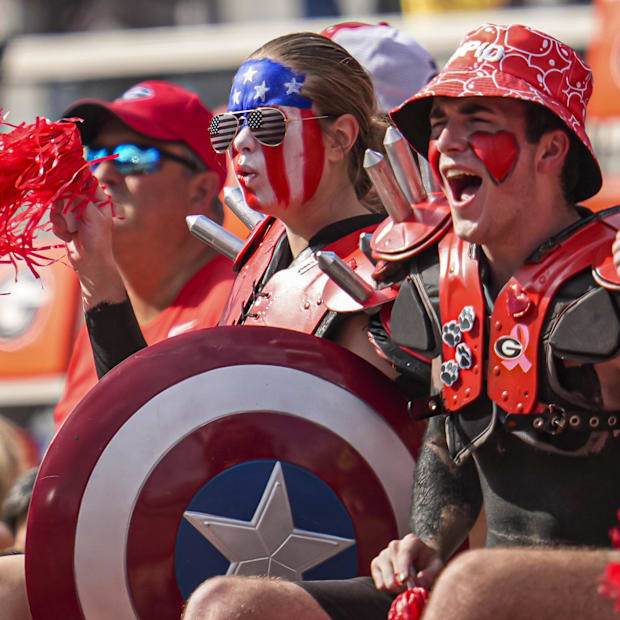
x,y
106,506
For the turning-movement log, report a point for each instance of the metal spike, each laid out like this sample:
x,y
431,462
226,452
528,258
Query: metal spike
x,y
233,197
404,166
365,247
428,178
331,264
214,235
382,177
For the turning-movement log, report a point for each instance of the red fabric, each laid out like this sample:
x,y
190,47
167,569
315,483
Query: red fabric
x,y
199,304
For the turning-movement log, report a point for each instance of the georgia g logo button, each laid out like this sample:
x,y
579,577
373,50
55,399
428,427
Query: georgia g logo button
x,y
508,348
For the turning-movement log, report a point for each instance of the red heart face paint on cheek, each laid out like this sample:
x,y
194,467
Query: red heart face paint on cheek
x,y
497,151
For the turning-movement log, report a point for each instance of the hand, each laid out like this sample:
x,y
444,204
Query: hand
x,y
615,248
90,250
407,559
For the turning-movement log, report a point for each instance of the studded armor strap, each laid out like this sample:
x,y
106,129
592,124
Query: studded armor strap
x,y
462,314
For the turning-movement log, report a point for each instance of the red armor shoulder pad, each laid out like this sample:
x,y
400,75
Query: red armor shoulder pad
x,y
429,221
251,264
604,271
335,298
255,238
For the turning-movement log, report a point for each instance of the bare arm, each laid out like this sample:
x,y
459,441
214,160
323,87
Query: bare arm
x,y
446,503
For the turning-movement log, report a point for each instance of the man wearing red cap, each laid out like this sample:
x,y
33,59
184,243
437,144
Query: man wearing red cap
x,y
520,301
165,169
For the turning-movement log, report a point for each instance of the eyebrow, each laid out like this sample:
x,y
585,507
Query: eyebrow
x,y
470,107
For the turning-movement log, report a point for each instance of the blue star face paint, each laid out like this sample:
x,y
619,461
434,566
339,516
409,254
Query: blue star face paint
x,y
265,82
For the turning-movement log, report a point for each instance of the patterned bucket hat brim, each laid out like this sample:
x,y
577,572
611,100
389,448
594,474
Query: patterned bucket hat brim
x,y
518,62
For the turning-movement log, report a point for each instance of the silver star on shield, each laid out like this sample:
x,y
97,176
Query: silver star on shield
x,y
269,544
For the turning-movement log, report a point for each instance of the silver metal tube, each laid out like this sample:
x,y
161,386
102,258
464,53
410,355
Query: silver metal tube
x,y
404,166
364,246
331,264
382,177
428,178
214,235
233,197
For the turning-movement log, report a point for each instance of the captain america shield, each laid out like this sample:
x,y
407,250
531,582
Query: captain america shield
x,y
239,450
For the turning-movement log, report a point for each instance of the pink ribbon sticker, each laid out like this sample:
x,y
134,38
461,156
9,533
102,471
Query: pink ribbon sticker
x,y
520,334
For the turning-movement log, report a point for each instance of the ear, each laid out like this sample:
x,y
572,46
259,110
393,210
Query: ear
x,y
340,136
552,151
203,187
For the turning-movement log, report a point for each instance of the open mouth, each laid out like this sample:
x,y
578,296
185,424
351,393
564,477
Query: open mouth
x,y
463,186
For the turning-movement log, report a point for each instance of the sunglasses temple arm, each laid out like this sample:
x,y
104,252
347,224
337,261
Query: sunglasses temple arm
x,y
233,197
214,235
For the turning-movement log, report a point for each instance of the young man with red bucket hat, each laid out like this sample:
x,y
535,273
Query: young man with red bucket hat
x,y
528,319
520,302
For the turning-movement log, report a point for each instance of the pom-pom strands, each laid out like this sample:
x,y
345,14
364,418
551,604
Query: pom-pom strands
x,y
409,605
611,586
40,163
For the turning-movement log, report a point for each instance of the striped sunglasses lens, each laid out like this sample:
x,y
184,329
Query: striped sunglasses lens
x,y
268,125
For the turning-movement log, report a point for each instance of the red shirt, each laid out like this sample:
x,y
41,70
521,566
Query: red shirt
x,y
199,304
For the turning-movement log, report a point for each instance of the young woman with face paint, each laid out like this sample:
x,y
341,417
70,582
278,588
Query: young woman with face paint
x,y
301,114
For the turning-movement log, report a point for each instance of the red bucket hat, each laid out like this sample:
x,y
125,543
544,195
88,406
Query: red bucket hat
x,y
159,110
517,62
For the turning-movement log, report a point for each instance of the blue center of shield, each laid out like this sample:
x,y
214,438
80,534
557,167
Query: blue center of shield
x,y
265,517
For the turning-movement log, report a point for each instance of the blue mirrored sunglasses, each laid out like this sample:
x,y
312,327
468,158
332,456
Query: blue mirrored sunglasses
x,y
135,159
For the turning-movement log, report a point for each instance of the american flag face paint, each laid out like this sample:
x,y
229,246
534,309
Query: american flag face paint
x,y
275,177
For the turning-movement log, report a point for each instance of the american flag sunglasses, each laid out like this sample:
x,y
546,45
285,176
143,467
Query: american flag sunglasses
x,y
268,126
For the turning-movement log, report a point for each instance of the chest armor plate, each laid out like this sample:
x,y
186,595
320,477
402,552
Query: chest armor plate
x,y
251,264
515,326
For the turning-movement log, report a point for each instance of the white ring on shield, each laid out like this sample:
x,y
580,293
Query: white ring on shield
x,y
175,413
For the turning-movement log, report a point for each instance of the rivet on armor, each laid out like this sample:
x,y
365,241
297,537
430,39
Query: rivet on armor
x,y
306,305
538,423
612,420
319,301
504,395
594,422
496,371
432,405
498,325
455,398
574,420
467,391
519,407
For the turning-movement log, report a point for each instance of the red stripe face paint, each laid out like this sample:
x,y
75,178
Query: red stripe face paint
x,y
287,174
497,151
276,172
314,155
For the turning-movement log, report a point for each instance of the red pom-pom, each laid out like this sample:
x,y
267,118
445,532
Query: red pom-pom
x,y
409,605
610,588
41,163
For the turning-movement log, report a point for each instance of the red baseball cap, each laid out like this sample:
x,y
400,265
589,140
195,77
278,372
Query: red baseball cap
x,y
517,62
159,110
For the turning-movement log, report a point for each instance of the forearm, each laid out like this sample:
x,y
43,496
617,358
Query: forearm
x,y
114,334
446,497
